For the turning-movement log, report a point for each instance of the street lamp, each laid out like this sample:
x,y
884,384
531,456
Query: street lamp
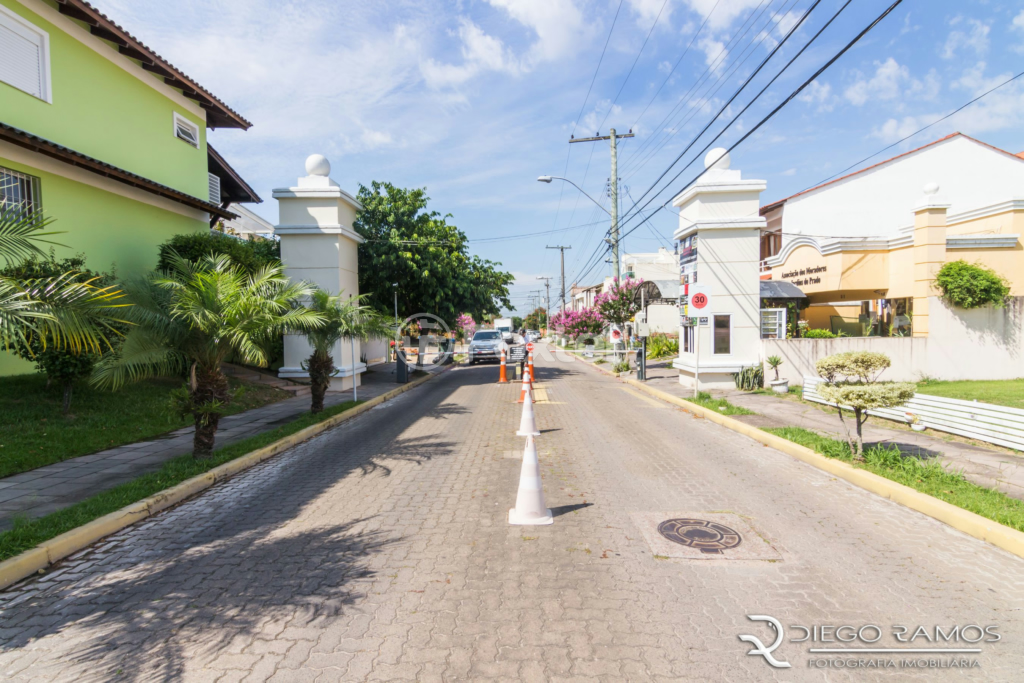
x,y
549,178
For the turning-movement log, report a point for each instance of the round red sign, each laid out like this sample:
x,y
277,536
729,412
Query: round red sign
x,y
529,347
699,300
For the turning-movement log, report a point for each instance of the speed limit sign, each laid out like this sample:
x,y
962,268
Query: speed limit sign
x,y
699,296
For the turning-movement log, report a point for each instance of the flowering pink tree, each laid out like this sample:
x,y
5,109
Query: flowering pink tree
x,y
617,305
575,324
466,325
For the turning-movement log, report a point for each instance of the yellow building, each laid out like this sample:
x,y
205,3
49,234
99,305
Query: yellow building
x,y
865,248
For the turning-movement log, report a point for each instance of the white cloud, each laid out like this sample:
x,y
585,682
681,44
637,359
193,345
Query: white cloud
x,y
789,172
715,54
884,85
558,24
647,12
722,12
975,38
818,94
480,52
928,89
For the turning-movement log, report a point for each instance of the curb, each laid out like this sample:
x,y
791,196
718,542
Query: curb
x,y
49,552
968,522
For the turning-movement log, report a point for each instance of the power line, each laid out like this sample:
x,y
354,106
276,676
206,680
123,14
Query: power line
x,y
778,108
626,79
678,62
743,85
919,130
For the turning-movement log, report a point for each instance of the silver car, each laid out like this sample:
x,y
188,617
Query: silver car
x,y
485,345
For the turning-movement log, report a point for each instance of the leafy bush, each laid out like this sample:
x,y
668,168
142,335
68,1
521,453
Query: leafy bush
x,y
817,334
749,379
851,381
622,366
250,255
971,285
62,366
661,345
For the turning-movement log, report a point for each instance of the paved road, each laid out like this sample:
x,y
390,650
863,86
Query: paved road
x,y
380,551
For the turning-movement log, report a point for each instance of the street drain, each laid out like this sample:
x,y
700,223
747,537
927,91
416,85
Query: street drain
x,y
708,537
704,536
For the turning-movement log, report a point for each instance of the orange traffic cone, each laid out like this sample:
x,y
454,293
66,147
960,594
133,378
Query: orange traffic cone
x,y
528,423
527,386
503,377
530,507
530,364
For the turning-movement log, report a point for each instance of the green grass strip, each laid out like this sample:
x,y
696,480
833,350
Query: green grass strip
x,y
926,476
720,404
27,534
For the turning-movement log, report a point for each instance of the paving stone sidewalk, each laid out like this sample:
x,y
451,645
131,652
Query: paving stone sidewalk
x,y
989,467
47,489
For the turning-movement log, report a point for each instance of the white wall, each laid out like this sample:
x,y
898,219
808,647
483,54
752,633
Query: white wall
x,y
985,343
880,201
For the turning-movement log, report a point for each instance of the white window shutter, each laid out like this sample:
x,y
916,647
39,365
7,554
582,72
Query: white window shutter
x,y
22,57
214,189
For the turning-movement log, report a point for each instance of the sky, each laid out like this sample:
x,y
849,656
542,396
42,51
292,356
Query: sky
x,y
473,99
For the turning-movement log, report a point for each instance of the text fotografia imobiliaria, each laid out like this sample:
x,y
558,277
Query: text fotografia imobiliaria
x,y
859,647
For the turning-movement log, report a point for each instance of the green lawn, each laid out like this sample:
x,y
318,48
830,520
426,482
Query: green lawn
x,y
718,404
28,534
33,432
927,477
1003,392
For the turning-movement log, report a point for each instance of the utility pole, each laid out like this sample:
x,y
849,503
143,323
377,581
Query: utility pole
x,y
614,184
562,249
547,299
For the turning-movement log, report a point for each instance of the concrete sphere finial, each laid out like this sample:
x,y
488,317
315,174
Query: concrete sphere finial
x,y
717,158
931,189
317,164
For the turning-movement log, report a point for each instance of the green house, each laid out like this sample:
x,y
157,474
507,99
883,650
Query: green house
x,y
106,137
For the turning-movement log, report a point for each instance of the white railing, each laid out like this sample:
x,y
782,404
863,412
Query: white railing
x,y
982,421
765,268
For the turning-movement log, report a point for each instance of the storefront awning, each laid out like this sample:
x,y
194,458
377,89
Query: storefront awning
x,y
780,289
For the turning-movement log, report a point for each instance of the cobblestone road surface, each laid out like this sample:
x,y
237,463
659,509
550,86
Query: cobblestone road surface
x,y
380,551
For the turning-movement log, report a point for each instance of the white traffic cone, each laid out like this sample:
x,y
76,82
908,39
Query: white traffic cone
x,y
530,507
528,425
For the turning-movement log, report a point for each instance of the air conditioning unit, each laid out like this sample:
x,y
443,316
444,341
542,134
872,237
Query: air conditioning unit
x,y
214,189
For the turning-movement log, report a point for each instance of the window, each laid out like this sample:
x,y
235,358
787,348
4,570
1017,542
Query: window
x,y
24,55
723,332
688,339
773,323
214,188
19,191
186,130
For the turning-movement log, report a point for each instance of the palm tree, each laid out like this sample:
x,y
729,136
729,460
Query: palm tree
x,y
64,311
344,319
189,319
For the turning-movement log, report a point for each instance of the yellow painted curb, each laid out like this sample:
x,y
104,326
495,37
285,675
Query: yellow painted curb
x,y
968,522
59,547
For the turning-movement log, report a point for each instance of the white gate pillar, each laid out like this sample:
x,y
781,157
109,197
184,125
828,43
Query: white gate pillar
x,y
724,211
320,246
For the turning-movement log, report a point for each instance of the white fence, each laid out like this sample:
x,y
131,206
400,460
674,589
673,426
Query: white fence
x,y
982,421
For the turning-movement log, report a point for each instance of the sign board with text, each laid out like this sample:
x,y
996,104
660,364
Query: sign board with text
x,y
698,297
517,354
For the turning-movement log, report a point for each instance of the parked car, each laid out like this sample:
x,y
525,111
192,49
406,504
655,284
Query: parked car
x,y
485,345
532,335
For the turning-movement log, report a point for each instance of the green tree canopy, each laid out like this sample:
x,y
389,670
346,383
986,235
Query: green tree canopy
x,y
428,258
536,319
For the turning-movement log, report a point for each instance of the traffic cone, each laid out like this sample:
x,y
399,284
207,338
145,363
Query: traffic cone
x,y
530,363
530,507
503,377
527,386
528,424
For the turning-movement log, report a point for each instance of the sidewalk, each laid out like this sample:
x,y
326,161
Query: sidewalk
x,y
986,467
47,489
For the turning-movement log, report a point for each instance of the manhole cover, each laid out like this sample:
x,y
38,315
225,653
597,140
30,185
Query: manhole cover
x,y
708,537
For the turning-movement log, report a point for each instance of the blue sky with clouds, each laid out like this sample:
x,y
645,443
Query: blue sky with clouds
x,y
474,99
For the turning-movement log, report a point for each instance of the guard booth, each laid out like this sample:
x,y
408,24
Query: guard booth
x,y
651,293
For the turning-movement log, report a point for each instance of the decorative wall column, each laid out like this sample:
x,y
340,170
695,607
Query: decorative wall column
x,y
723,211
929,253
319,245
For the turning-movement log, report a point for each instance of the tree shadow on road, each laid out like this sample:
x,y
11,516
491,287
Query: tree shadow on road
x,y
257,553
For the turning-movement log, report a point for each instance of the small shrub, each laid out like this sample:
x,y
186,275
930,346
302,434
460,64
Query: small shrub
x,y
250,255
818,334
969,285
774,362
749,379
621,367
